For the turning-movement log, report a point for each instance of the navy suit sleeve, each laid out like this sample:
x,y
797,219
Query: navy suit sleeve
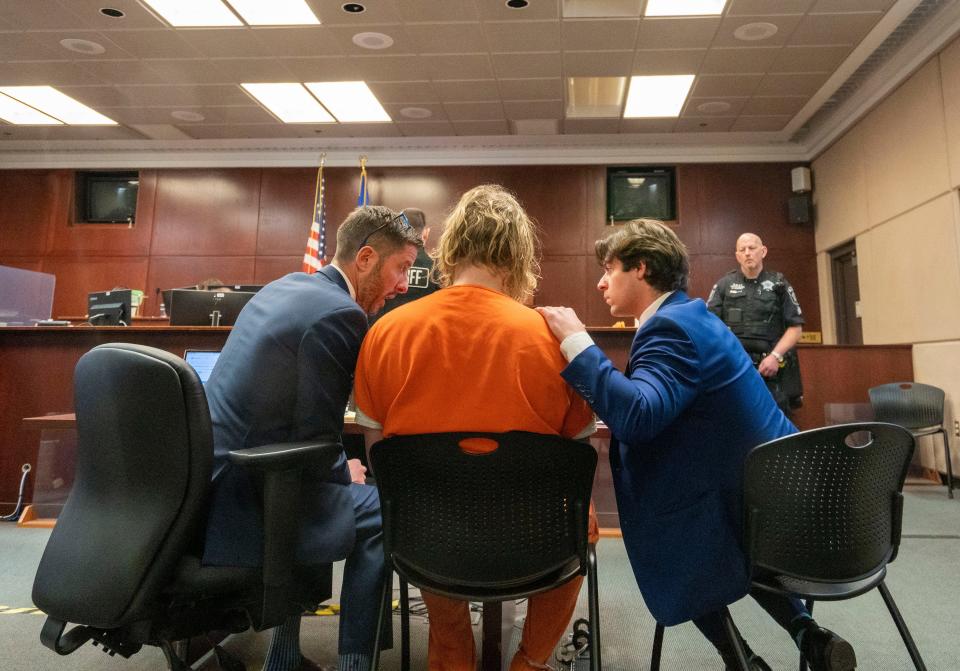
x,y
326,361
664,380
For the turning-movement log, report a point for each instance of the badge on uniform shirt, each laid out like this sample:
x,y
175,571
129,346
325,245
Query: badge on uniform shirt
x,y
736,288
767,285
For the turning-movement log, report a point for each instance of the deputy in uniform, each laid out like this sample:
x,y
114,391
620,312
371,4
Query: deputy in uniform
x,y
762,310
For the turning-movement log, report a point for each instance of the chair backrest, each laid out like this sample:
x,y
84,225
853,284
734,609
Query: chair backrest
x,y
826,504
144,454
908,404
484,526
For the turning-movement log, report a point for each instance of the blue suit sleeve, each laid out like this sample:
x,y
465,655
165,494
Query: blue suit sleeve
x,y
326,361
664,380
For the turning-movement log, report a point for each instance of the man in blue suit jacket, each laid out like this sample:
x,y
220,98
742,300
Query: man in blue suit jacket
x,y
285,374
683,416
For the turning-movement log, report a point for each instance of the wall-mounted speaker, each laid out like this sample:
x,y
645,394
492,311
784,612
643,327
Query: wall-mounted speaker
x,y
800,209
800,179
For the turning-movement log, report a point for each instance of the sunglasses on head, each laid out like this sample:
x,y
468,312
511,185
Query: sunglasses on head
x,y
400,217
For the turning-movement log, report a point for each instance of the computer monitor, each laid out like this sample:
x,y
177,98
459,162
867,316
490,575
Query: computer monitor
x,y
202,362
109,308
194,307
166,295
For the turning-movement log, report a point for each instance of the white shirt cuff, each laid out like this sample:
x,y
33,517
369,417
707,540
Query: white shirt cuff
x,y
575,343
588,430
367,421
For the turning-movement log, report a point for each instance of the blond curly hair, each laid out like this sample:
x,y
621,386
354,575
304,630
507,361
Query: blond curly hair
x,y
489,228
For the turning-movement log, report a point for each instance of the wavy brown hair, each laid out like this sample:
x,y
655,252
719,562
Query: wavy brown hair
x,y
651,242
489,228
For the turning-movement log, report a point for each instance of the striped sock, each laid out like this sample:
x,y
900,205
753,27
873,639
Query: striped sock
x,y
353,661
284,652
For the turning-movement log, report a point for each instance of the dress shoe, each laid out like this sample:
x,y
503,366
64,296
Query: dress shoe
x,y
825,651
754,663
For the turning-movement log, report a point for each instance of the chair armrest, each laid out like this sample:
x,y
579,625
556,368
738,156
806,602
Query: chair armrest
x,y
282,456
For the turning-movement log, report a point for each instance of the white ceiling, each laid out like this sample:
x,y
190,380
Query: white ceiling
x,y
492,78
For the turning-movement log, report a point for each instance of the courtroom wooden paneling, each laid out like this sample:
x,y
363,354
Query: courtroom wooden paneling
x,y
564,280
37,379
210,211
24,262
69,238
286,210
29,202
270,268
79,275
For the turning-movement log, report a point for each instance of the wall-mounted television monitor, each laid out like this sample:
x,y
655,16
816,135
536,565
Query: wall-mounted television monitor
x,y
644,192
195,307
107,197
109,308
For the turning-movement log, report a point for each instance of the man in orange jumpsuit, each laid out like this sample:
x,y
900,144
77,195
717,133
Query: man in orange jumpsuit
x,y
473,357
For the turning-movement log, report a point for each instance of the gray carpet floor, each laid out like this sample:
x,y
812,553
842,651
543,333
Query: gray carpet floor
x,y
925,581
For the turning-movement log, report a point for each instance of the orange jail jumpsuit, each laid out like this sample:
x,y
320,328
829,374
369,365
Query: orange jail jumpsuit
x,y
468,358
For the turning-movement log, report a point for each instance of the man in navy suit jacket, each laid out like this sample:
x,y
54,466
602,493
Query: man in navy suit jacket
x,y
285,375
683,416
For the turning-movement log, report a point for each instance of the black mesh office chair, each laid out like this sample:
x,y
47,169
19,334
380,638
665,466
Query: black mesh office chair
x,y
488,527
917,407
823,510
123,562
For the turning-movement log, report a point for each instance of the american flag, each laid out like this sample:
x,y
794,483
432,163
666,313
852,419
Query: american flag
x,y
364,197
317,242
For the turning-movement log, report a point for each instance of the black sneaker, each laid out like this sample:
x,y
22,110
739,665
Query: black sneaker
x,y
825,651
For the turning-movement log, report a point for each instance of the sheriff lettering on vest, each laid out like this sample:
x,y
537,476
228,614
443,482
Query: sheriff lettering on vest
x,y
762,310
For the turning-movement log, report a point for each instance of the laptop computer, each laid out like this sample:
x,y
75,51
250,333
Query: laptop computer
x,y
202,362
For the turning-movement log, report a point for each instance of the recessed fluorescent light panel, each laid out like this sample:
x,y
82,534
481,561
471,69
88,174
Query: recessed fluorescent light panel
x,y
291,103
349,102
595,97
15,112
685,7
275,12
194,13
657,96
58,105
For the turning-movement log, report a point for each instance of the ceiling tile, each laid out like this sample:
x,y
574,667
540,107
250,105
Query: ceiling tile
x,y
417,92
703,124
402,42
464,66
299,42
739,61
534,109
590,126
135,15
785,26
51,40
668,61
690,108
647,125
427,129
825,6
188,96
431,10
465,128
40,15
163,43
834,28
54,73
597,63
187,71
599,35
514,37
474,111
513,66
791,85
225,42
31,47
760,123
381,68
495,10
331,13
446,38
350,130
771,106
99,96
252,131
465,91
239,70
69,133
810,59
249,114
125,72
707,86
677,33
320,69
766,7
438,113
531,89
